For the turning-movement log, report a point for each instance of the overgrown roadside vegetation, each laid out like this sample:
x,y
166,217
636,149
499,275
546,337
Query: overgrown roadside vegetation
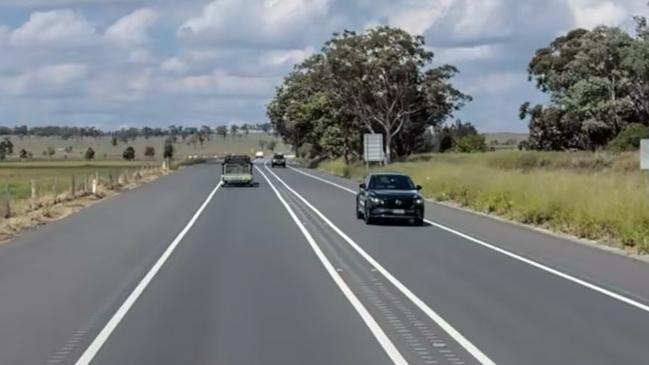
x,y
32,194
597,196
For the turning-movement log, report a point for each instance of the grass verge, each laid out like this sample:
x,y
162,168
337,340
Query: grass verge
x,y
597,197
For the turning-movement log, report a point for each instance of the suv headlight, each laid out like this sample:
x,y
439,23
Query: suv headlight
x,y
419,201
376,200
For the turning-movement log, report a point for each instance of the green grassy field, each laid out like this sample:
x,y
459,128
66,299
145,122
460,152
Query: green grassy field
x,y
104,150
596,196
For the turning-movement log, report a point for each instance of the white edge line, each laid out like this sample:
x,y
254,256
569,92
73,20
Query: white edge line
x,y
371,323
96,345
447,327
510,254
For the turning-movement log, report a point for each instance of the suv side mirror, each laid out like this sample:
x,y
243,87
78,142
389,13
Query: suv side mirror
x,y
361,186
419,187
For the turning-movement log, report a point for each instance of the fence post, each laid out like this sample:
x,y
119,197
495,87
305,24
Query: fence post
x,y
94,184
32,201
7,202
73,187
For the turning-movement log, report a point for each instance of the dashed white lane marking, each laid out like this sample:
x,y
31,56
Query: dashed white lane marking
x,y
434,316
365,315
103,335
510,254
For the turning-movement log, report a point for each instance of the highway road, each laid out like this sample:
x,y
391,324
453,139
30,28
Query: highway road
x,y
185,271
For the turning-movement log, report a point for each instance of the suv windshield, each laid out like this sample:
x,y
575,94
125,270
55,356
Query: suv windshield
x,y
391,182
279,156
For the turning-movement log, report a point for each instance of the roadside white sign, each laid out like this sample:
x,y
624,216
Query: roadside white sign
x,y
644,154
373,148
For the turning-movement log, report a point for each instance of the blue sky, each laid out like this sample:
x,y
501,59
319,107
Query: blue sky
x,y
115,63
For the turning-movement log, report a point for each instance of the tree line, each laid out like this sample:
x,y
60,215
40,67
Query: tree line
x,y
177,132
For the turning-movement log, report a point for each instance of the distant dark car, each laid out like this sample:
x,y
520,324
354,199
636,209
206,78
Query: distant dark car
x,y
278,160
389,195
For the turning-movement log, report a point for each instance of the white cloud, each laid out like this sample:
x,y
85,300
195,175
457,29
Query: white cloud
x,y
140,56
46,78
496,83
132,29
221,82
589,14
282,57
482,17
418,18
256,21
174,65
280,13
52,28
466,54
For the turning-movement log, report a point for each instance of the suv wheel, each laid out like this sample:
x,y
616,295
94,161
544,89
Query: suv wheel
x,y
359,215
367,216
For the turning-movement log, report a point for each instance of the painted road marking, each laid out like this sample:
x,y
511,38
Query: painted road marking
x,y
434,316
512,255
371,323
96,345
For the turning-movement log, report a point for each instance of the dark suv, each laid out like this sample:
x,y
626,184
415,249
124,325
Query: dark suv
x,y
278,160
389,195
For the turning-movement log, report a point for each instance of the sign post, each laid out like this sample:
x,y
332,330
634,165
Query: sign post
x,y
644,154
373,148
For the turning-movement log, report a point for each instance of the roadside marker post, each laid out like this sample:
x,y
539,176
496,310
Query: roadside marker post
x,y
644,154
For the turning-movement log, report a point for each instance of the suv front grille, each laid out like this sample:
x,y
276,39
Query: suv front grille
x,y
404,203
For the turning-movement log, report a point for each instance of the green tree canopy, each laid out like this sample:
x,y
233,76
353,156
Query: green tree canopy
x,y
379,81
598,83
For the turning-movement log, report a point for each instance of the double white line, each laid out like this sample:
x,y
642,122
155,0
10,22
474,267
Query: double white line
x,y
376,330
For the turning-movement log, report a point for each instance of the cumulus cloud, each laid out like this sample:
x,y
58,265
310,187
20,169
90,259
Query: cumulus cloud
x,y
467,54
132,29
270,22
589,14
418,18
54,28
52,78
223,83
196,60
286,57
174,65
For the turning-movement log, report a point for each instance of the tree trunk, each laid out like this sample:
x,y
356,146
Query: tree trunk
x,y
388,144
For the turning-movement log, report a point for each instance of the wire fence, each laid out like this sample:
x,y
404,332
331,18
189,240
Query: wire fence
x,y
22,196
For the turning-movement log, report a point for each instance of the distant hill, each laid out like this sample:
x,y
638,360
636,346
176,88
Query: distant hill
x,y
503,138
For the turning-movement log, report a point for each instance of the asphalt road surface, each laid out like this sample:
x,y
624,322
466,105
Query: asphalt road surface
x,y
185,271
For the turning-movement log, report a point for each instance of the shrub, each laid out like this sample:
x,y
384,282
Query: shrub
x,y
305,151
629,138
471,144
90,154
149,152
129,153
